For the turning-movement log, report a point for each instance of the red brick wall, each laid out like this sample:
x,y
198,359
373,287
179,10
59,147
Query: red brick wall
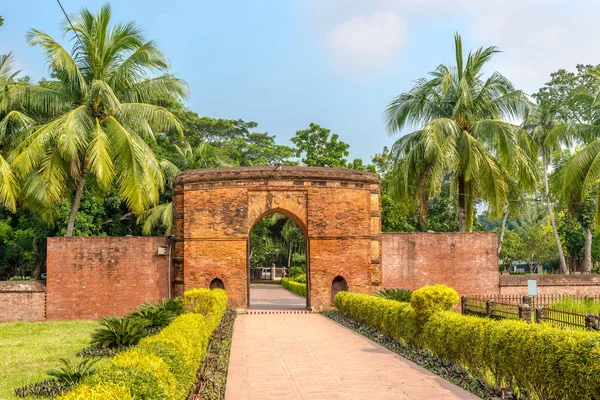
x,y
91,277
467,262
551,284
337,209
22,301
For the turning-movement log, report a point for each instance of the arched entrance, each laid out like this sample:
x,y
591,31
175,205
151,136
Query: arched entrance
x,y
278,265
338,210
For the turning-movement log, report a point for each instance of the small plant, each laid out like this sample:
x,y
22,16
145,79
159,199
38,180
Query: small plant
x,y
72,373
45,388
119,332
19,278
394,294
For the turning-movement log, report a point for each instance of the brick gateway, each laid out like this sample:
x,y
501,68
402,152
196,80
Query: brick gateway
x,y
338,211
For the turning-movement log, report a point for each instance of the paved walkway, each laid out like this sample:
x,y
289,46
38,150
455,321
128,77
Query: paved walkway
x,y
308,356
274,297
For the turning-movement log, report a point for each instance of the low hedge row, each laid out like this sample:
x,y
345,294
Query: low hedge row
x,y
163,366
533,359
298,288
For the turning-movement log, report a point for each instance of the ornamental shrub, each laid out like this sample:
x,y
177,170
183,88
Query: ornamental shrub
x,y
394,294
162,366
430,299
295,271
295,287
208,302
299,278
536,360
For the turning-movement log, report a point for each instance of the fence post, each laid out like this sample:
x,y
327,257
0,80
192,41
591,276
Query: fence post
x,y
463,304
525,312
528,300
489,308
592,322
539,315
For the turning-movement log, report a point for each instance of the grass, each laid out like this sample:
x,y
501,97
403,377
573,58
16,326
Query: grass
x,y
577,306
28,349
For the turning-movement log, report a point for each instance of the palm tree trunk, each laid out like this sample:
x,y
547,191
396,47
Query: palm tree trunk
x,y
587,265
289,255
504,218
462,204
77,199
561,254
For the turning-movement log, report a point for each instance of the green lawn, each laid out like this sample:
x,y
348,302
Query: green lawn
x,y
28,349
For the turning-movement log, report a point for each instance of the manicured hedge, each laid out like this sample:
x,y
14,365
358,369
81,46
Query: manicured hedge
x,y
552,363
298,288
163,366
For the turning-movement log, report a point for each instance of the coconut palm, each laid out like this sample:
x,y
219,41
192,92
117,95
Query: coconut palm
x,y
461,132
541,122
110,84
202,156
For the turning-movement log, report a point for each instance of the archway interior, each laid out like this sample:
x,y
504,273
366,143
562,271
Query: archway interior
x,y
277,250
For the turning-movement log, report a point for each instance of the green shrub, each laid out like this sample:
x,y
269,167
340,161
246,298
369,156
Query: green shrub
x,y
295,287
553,363
394,294
295,271
207,302
162,366
72,373
538,360
119,332
430,299
299,278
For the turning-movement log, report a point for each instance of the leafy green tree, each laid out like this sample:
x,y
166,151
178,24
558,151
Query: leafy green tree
x,y
542,121
320,149
109,87
257,149
460,132
513,250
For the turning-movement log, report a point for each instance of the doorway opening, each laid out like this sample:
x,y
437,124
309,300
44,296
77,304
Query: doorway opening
x,y
277,264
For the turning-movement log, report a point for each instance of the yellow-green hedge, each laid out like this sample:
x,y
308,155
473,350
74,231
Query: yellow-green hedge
x,y
298,288
401,320
163,366
552,363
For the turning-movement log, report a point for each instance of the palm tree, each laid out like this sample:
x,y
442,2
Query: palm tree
x,y
202,156
110,86
541,122
461,132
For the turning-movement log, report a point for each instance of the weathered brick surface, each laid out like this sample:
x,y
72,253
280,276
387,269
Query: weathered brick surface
x,y
22,301
551,284
91,277
467,262
338,210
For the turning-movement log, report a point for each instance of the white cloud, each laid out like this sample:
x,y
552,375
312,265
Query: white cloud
x,y
367,41
537,37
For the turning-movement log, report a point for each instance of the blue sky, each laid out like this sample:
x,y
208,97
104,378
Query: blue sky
x,y
337,63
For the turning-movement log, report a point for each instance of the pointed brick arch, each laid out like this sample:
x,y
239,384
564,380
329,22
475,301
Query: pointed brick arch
x,y
337,209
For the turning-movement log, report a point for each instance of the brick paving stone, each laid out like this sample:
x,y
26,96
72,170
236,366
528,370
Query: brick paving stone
x,y
308,356
274,297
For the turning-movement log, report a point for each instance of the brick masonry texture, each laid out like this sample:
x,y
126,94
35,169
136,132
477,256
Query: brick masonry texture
x,y
22,301
337,209
551,284
467,262
91,277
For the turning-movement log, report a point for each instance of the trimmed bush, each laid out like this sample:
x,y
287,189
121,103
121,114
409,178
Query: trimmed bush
x,y
431,299
394,294
208,302
163,366
299,278
536,360
553,363
295,287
